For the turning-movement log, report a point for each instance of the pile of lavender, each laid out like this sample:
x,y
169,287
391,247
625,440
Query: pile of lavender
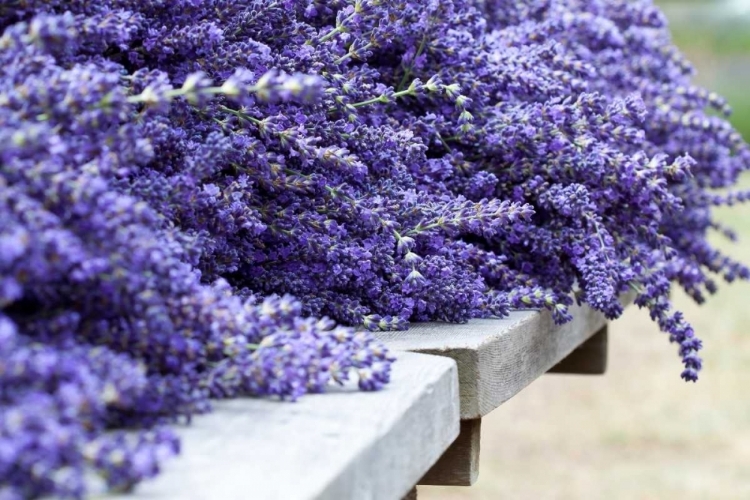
x,y
186,186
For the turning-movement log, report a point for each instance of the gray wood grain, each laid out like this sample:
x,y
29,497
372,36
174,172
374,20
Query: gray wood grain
x,y
341,445
459,465
498,357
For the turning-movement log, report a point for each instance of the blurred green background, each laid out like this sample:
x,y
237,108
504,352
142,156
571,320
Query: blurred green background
x,y
715,35
640,432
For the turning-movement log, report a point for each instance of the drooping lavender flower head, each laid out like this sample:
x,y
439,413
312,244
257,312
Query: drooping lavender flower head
x,y
172,173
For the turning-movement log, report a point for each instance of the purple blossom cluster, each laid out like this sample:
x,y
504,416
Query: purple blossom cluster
x,y
172,172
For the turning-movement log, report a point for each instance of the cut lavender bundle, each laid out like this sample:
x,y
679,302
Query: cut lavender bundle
x,y
171,172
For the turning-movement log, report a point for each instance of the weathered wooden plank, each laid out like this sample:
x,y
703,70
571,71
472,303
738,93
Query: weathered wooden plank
x,y
498,357
459,465
590,358
341,445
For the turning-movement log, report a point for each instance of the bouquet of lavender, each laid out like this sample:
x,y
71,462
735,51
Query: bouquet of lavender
x,y
173,171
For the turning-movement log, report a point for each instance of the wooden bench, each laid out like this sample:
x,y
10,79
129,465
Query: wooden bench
x,y
496,359
344,444
423,428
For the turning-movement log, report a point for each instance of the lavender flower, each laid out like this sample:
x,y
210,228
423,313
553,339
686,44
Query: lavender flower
x,y
172,173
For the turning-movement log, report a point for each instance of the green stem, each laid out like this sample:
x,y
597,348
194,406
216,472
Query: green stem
x,y
598,235
445,144
337,29
634,286
241,115
408,69
381,98
421,229
350,54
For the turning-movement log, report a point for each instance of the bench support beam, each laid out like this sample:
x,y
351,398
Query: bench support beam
x,y
459,465
590,358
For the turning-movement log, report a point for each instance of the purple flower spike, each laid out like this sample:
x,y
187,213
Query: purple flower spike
x,y
204,200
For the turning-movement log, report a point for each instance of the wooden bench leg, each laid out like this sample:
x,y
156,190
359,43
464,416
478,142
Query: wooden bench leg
x,y
412,495
459,465
590,358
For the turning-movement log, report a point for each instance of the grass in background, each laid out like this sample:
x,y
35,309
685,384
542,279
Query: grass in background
x,y
715,36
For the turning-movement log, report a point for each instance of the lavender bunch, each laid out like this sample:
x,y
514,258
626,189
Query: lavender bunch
x,y
106,322
172,172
